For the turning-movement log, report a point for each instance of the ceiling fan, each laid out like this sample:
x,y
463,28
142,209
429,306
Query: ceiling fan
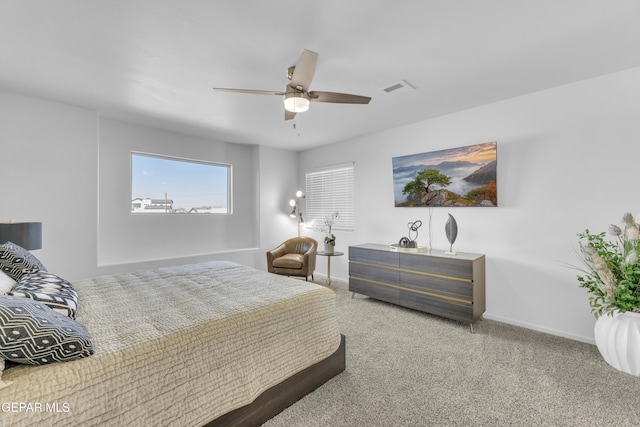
x,y
297,95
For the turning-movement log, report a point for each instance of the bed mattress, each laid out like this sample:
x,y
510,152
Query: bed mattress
x,y
177,346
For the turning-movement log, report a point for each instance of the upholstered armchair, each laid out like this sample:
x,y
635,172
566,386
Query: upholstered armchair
x,y
294,257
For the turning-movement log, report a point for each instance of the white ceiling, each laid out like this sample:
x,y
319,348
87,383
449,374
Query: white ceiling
x,y
155,62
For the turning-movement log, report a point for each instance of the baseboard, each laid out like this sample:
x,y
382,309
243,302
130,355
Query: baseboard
x,y
558,333
563,334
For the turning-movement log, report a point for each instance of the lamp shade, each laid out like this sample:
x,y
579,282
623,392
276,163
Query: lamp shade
x,y
25,234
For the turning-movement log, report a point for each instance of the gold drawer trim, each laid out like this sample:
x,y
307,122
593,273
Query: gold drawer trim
x,y
415,291
441,276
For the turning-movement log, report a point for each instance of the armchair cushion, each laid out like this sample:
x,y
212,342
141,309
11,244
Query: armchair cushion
x,y
289,261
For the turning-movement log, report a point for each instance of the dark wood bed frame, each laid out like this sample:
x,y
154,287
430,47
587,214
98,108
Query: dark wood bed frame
x,y
279,397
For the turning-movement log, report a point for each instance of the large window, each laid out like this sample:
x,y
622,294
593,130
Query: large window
x,y
330,191
179,186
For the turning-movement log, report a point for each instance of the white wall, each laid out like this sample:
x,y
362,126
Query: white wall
x,y
567,160
48,158
278,184
126,238
50,154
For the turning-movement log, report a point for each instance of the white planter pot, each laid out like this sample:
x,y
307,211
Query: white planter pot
x,y
328,248
618,339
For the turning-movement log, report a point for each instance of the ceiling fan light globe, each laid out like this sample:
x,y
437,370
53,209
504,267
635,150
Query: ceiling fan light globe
x,y
296,102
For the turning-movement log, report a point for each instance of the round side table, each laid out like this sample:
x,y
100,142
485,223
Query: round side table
x,y
329,255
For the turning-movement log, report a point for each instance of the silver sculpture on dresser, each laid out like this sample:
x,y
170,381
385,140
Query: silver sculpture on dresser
x,y
451,228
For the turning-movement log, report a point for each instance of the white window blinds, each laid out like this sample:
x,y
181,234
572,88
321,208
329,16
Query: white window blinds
x,y
329,191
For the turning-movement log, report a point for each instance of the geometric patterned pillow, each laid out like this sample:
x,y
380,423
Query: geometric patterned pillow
x,y
16,261
48,289
34,334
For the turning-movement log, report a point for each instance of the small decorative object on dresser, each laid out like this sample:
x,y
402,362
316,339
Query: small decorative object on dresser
x,y
451,228
611,276
410,244
435,283
411,241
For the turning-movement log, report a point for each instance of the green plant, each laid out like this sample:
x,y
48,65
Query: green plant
x,y
330,239
612,275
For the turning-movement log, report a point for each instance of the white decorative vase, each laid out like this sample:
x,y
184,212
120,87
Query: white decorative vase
x,y
328,248
618,339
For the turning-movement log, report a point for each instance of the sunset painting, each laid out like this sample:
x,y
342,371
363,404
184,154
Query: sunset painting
x,y
463,176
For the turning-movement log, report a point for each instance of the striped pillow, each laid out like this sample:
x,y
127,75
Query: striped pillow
x,y
50,290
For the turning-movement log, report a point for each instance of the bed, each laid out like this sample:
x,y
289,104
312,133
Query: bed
x,y
214,343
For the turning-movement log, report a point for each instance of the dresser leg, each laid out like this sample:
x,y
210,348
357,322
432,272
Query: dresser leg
x,y
471,326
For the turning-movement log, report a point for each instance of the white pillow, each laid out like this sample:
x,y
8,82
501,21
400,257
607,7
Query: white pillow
x,y
3,384
6,283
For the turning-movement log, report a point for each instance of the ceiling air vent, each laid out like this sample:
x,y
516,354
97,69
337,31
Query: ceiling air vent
x,y
399,87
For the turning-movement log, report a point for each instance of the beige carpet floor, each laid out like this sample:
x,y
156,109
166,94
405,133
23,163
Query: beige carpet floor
x,y
406,368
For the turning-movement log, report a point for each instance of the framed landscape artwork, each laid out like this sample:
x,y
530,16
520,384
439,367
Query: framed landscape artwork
x,y
463,176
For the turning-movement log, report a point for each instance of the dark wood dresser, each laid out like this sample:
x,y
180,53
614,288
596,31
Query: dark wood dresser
x,y
450,286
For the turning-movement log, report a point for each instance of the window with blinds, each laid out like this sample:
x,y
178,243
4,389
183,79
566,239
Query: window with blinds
x,y
328,191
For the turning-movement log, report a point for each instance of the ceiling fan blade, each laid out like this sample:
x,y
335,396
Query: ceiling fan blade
x,y
339,98
304,70
288,115
256,92
297,94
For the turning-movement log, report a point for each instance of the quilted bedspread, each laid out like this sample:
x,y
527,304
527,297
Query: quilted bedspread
x,y
176,346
